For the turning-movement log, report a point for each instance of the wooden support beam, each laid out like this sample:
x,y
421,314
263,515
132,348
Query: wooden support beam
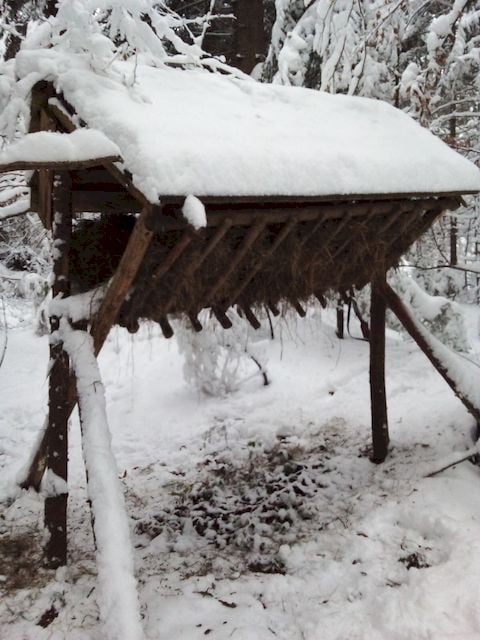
x,y
247,243
56,458
52,165
122,279
378,398
418,334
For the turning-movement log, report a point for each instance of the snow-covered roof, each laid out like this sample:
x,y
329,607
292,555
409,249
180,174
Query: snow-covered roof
x,y
50,146
186,132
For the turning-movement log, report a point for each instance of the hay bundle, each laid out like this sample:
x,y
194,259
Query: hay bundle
x,y
314,258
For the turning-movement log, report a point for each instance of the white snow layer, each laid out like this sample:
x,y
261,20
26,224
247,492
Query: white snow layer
x,y
194,212
190,131
117,594
51,146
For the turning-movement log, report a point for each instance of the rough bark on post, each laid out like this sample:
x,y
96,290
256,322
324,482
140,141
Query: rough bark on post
x,y
380,437
58,401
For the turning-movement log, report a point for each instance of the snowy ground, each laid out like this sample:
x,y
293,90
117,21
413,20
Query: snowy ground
x,y
256,516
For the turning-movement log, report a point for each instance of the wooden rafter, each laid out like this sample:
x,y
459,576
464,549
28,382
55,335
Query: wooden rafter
x,y
122,280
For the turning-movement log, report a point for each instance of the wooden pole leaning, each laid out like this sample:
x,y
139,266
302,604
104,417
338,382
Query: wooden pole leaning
x,y
56,434
112,302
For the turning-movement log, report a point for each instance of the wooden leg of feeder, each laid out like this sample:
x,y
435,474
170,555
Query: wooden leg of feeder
x,y
340,320
57,427
380,437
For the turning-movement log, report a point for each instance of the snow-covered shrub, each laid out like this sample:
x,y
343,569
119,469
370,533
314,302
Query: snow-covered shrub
x,y
443,317
219,361
24,258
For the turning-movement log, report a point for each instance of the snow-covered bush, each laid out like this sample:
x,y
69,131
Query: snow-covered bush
x,y
219,361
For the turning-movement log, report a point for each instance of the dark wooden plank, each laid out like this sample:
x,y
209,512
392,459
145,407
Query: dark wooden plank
x,y
58,414
122,279
52,165
378,398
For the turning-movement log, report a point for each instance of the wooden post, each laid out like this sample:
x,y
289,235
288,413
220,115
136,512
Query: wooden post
x,y
340,320
380,437
57,428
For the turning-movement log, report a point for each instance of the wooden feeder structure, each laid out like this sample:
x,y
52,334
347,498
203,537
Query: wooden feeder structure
x,y
260,247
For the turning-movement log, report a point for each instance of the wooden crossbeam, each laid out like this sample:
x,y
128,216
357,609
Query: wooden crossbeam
x,y
311,212
53,165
